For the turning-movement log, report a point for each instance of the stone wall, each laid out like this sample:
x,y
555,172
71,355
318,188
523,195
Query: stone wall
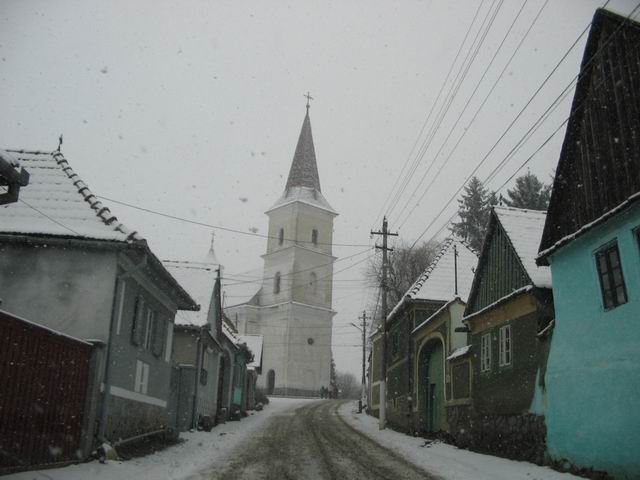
x,y
520,437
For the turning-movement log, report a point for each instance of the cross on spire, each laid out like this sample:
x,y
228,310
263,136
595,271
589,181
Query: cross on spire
x,y
308,97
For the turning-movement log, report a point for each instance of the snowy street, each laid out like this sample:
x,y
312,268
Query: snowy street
x,y
304,439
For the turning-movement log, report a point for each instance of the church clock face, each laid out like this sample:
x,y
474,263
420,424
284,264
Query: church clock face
x,y
310,341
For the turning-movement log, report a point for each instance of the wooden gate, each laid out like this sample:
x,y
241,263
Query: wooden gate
x,y
44,379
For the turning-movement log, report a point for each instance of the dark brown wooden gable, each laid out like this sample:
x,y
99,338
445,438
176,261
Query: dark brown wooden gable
x,y
500,270
599,165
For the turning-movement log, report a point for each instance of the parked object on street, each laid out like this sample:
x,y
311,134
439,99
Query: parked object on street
x,y
592,243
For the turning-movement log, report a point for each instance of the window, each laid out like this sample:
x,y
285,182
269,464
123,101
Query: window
x,y
505,346
142,377
150,327
395,343
137,323
204,371
169,344
614,292
314,236
276,283
281,236
157,336
313,282
485,353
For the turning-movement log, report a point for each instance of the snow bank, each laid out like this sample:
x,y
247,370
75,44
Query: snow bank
x,y
199,451
447,461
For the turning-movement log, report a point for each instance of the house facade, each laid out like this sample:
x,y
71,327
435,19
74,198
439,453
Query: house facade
x,y
592,245
197,351
509,310
67,263
421,334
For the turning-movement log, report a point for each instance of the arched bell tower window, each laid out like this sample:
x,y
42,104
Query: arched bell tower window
x,y
281,236
314,236
276,283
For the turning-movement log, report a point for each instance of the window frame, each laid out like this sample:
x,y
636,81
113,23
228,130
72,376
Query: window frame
x,y
151,325
137,323
505,346
485,353
313,282
158,335
281,236
314,237
609,292
276,283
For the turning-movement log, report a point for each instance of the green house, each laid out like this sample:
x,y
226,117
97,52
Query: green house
x,y
592,243
421,334
509,312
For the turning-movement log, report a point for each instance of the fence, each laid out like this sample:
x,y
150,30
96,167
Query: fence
x,y
44,378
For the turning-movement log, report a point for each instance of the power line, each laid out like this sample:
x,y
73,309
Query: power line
x,y
536,125
431,110
520,113
241,282
451,95
465,130
226,229
45,215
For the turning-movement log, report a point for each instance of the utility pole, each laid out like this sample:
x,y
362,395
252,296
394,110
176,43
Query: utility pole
x,y
363,329
383,379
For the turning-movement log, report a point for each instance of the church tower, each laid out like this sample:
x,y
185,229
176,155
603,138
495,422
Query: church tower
x,y
292,310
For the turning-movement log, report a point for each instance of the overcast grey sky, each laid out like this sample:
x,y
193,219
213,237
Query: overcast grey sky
x,y
193,108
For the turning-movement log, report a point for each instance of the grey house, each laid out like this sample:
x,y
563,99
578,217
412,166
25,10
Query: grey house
x,y
197,350
67,263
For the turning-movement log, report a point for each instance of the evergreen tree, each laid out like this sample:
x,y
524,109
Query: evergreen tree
x,y
333,384
473,210
529,192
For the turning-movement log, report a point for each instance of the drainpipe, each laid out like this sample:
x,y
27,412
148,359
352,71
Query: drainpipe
x,y
107,369
196,390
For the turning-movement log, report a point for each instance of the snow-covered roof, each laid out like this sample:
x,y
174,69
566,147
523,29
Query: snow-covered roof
x,y
198,279
255,343
57,202
437,282
459,352
306,195
230,332
524,229
10,158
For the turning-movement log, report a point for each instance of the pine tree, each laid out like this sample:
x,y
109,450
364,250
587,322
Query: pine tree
x,y
333,384
529,192
473,210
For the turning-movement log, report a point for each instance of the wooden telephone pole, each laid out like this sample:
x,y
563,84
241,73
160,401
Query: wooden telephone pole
x,y
383,380
363,328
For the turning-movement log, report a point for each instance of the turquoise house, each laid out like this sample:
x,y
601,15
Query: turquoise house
x,y
591,390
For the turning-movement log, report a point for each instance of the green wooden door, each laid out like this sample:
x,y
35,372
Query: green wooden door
x,y
435,388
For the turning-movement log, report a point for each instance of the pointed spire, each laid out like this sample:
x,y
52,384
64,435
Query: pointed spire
x,y
304,171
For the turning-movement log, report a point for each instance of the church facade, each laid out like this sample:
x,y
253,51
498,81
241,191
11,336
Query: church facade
x,y
293,307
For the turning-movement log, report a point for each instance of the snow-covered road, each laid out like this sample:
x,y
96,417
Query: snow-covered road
x,y
304,439
446,461
199,452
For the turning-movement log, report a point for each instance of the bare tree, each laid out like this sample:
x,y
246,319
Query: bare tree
x,y
348,385
405,266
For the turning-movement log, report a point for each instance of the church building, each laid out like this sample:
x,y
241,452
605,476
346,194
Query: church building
x,y
292,308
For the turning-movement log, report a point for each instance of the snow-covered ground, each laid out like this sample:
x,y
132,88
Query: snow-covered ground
x,y
199,451
447,461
